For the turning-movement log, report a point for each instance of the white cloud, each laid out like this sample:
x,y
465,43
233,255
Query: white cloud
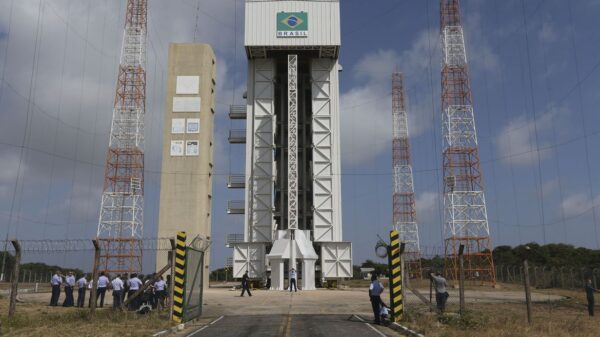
x,y
427,207
516,142
366,109
578,204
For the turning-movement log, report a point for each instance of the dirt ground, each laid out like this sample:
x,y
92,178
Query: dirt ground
x,y
491,312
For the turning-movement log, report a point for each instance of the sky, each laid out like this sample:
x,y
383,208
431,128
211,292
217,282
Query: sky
x,y
534,76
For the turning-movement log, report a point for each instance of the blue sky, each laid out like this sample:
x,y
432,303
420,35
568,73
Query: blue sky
x,y
534,75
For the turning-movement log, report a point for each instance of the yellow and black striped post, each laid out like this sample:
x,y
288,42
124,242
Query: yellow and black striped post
x,y
395,262
178,283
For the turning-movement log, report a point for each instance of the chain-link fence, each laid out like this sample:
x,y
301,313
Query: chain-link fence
x,y
194,274
38,262
549,277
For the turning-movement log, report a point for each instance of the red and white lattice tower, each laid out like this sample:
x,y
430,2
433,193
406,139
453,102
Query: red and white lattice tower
x,y
121,221
404,209
465,214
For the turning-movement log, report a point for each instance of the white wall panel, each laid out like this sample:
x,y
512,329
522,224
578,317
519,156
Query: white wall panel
x,y
323,23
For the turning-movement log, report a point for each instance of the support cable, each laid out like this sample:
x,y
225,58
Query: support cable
x,y
535,127
583,122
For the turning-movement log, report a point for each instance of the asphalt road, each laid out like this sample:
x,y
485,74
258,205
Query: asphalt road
x,y
292,326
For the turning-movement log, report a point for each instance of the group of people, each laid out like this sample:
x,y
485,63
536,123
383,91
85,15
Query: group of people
x,y
123,287
292,276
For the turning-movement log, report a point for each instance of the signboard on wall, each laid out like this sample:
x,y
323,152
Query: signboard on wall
x,y
292,24
193,125
186,104
178,125
192,148
187,85
177,148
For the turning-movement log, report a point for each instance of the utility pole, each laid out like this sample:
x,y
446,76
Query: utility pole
x,y
121,224
465,213
404,208
526,282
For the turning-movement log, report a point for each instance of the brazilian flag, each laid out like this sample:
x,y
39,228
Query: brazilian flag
x,y
292,21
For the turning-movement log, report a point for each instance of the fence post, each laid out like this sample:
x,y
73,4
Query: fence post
x,y
461,285
527,289
94,276
15,281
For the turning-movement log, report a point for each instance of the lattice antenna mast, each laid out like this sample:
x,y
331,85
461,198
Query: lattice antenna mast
x,y
404,209
465,214
121,223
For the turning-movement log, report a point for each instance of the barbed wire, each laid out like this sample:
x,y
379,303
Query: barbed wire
x,y
78,245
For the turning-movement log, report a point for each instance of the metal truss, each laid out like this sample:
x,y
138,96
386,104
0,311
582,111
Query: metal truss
x,y
292,178
404,208
465,213
260,185
120,227
324,225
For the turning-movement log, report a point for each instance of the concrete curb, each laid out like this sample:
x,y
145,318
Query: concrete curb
x,y
405,330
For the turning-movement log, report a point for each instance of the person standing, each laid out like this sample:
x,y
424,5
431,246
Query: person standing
x,y
292,277
103,282
134,285
69,284
441,295
245,284
117,291
589,291
55,283
375,290
159,292
90,286
81,285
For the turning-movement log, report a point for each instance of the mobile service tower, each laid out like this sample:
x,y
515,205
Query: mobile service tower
x,y
293,215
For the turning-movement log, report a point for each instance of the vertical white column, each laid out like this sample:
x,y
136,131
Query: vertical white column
x,y
276,274
308,274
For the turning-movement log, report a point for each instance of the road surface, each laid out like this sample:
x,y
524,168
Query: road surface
x,y
291,326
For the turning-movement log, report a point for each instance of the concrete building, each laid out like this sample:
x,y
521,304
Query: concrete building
x,y
292,178
187,155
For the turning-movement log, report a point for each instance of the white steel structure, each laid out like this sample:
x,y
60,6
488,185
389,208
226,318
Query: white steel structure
x,y
404,207
293,207
465,214
120,227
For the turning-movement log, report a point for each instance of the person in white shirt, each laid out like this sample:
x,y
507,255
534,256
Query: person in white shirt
x,y
292,277
134,285
81,284
375,290
55,283
69,284
90,287
103,282
117,287
160,292
441,295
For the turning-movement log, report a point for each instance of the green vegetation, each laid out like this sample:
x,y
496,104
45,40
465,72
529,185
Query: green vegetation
x,y
551,255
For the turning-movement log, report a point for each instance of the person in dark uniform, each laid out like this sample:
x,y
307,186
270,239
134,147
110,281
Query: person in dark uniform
x,y
69,285
375,290
245,284
589,291
81,285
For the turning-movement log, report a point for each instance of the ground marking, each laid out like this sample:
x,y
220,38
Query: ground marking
x,y
370,326
206,326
